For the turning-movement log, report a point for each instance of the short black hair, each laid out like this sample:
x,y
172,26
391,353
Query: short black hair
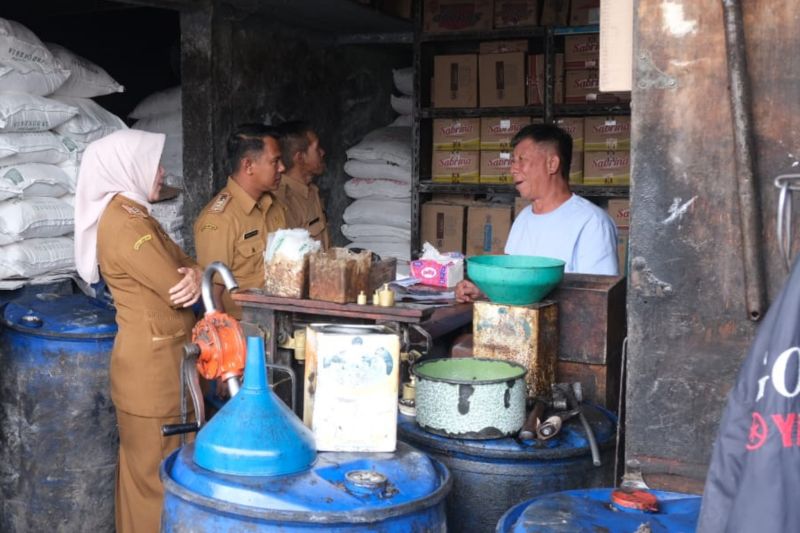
x,y
552,135
247,139
293,136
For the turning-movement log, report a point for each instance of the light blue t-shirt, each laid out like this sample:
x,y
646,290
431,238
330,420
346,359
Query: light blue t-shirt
x,y
578,232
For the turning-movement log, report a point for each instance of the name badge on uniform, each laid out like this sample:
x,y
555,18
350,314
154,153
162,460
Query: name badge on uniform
x,y
251,233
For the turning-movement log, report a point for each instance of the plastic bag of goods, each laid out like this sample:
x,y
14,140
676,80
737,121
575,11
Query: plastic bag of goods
x,y
158,103
26,65
33,179
86,79
36,147
91,123
286,262
376,188
378,211
36,257
27,112
388,144
377,170
35,217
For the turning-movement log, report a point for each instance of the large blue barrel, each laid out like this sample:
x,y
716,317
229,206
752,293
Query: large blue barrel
x,y
57,424
594,510
489,476
342,492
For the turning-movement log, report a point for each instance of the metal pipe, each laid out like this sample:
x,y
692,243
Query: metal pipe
x,y
227,278
749,208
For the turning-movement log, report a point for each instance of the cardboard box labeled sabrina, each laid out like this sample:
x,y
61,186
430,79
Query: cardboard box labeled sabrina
x,y
619,209
502,79
607,168
607,133
487,228
583,86
456,167
497,132
575,128
440,16
496,167
502,47
583,12
536,82
582,51
443,226
455,80
515,13
454,134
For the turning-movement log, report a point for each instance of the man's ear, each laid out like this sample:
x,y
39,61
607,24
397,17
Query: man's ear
x,y
247,165
553,163
298,157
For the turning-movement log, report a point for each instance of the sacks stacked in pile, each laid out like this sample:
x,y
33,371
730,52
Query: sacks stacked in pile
x,y
46,121
380,167
161,112
403,104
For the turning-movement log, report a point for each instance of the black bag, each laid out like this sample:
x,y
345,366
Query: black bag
x,y
753,482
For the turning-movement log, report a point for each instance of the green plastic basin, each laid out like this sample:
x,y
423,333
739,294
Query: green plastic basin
x,y
515,279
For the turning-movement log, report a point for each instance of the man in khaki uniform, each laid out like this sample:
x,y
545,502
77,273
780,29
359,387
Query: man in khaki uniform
x,y
233,227
304,160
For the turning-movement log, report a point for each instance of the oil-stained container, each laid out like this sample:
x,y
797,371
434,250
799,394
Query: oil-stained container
x,y
57,424
490,476
260,471
607,510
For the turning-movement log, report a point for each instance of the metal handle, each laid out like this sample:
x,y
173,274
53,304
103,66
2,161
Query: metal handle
x,y
227,278
292,378
167,430
786,183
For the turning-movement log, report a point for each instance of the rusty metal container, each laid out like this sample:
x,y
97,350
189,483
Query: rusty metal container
x,y
338,275
286,278
381,272
524,334
592,318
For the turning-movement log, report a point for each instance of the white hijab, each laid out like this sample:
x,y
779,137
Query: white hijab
x,y
124,162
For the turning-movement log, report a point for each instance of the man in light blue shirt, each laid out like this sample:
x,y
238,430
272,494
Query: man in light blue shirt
x,y
558,223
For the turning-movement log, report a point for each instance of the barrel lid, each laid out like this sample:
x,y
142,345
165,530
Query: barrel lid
x,y
570,442
60,315
338,486
589,510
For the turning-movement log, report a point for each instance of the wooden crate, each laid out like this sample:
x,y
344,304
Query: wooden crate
x,y
338,275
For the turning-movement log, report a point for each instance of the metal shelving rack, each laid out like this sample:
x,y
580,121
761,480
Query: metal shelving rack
x,y
423,49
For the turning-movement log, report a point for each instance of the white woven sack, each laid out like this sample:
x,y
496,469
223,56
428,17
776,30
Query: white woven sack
x,y
168,123
388,212
37,147
21,112
356,232
400,250
71,167
172,156
403,105
169,209
404,80
376,170
91,123
36,257
86,79
35,217
384,144
402,120
33,179
372,188
158,103
26,65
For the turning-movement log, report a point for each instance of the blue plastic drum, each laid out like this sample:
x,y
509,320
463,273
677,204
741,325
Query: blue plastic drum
x,y
57,424
597,510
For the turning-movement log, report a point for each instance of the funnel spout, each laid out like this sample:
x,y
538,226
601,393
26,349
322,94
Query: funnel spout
x,y
208,276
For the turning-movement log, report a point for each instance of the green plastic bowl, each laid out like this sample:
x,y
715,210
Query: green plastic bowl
x,y
515,279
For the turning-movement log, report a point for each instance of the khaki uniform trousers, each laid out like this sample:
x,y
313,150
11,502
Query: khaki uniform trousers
x,y
139,493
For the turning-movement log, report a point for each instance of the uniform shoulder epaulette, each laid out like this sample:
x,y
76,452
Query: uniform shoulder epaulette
x,y
134,211
220,203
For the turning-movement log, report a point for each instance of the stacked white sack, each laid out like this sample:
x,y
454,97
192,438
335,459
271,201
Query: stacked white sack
x,y
161,112
40,144
403,104
380,217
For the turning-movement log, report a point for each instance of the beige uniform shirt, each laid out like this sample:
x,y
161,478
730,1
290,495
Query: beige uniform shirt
x,y
139,263
233,228
304,208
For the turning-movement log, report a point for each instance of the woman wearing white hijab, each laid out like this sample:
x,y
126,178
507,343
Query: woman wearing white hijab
x,y
153,283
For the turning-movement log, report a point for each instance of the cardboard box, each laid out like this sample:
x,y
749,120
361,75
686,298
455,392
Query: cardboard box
x,y
520,204
582,86
607,133
573,126
487,228
554,13
583,12
497,132
576,167
623,243
515,13
438,273
455,80
452,199
453,134
619,209
582,51
607,168
536,81
502,79
439,16
502,47
443,226
397,8
456,167
496,167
